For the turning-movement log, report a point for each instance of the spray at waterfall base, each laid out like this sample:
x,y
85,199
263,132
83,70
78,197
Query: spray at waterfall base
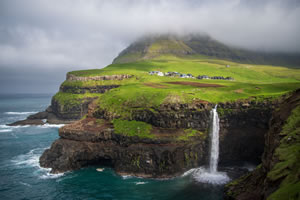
x,y
211,175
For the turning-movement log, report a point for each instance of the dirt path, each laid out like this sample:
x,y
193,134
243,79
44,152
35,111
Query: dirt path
x,y
155,85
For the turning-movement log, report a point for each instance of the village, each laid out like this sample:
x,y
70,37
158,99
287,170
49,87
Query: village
x,y
177,74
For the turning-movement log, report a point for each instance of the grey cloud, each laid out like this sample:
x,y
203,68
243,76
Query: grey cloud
x,y
56,36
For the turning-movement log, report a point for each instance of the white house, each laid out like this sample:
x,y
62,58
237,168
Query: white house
x,y
160,74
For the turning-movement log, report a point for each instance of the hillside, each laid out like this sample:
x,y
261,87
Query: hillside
x,y
200,46
144,90
148,114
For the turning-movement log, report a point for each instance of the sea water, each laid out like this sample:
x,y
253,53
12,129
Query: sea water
x,y
21,177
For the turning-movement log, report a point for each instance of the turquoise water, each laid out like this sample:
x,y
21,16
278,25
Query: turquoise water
x,y
22,178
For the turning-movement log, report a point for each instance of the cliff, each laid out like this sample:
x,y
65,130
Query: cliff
x,y
177,139
147,125
278,176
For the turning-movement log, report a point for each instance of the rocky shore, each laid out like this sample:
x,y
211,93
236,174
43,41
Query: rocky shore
x,y
93,140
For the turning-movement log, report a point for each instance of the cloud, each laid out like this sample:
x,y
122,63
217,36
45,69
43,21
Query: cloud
x,y
56,36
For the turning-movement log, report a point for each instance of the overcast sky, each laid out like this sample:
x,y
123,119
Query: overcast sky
x,y
41,40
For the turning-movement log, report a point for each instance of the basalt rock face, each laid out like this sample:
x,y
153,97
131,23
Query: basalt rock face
x,y
71,77
195,115
88,143
57,113
71,112
278,176
242,128
81,90
242,124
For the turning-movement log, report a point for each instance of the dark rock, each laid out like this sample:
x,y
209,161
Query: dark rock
x,y
257,184
86,143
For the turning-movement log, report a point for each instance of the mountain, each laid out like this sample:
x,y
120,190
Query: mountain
x,y
144,124
151,47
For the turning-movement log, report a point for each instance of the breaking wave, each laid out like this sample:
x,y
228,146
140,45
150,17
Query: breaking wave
x,y
31,160
19,113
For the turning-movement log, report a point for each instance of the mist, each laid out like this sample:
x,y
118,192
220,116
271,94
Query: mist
x,y
40,41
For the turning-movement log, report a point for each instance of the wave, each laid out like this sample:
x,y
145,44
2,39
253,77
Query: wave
x,y
20,113
13,127
40,126
5,130
140,183
50,125
26,184
127,177
31,160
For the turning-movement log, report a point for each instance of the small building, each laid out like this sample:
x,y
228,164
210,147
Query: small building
x,y
229,78
190,76
160,74
183,76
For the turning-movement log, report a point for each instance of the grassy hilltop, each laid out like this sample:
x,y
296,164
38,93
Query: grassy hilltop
x,y
149,91
144,90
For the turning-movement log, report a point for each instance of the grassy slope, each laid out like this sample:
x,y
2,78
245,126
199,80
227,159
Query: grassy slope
x,y
250,80
287,169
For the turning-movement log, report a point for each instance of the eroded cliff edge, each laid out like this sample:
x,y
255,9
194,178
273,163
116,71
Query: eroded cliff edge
x,y
278,176
178,139
71,102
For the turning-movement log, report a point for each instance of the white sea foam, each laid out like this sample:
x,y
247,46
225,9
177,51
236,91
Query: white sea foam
x,y
49,175
51,125
4,126
31,160
13,127
140,183
26,184
19,113
5,130
127,177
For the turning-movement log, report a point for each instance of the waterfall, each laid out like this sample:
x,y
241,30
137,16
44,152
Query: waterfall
x,y
214,147
212,175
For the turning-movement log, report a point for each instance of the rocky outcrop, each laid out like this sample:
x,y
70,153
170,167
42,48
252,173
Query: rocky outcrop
x,y
87,142
57,113
93,89
278,175
94,141
71,77
243,123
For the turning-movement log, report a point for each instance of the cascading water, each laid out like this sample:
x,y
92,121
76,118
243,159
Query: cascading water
x,y
214,147
212,175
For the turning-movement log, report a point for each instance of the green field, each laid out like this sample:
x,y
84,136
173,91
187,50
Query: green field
x,y
149,91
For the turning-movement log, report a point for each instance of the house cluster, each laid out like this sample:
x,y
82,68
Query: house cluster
x,y
172,74
177,74
215,77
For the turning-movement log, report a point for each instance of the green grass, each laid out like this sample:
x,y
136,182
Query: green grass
x,y
132,128
69,100
287,168
189,133
250,81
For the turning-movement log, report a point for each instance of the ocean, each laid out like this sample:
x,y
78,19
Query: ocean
x,y
21,177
